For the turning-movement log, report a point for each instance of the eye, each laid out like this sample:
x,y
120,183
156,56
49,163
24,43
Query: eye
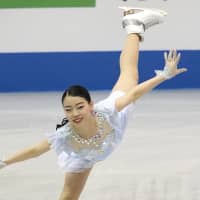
x,y
68,110
80,107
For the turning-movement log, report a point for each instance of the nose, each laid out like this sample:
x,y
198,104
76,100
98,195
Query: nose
x,y
75,113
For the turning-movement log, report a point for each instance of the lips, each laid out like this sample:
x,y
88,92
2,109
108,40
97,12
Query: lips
x,y
77,120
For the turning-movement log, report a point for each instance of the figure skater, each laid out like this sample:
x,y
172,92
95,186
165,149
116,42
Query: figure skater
x,y
90,132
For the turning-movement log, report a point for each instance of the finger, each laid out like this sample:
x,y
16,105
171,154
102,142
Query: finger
x,y
165,56
181,70
174,54
178,58
170,55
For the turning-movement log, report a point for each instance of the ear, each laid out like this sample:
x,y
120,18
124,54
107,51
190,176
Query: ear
x,y
91,105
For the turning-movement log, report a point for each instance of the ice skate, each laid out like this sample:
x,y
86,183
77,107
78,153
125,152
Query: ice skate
x,y
138,20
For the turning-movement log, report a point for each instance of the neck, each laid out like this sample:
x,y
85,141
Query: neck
x,y
88,129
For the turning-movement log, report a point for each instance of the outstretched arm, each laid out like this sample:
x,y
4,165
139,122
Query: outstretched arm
x,y
170,71
28,153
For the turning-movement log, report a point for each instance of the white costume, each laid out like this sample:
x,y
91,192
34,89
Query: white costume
x,y
72,160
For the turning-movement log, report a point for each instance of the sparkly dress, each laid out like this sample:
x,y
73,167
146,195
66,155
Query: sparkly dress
x,y
74,156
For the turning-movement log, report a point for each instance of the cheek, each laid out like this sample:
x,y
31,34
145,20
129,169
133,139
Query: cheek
x,y
67,115
86,111
91,111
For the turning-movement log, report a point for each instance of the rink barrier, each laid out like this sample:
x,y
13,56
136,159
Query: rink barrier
x,y
54,71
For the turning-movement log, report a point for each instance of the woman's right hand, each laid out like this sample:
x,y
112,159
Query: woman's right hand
x,y
2,164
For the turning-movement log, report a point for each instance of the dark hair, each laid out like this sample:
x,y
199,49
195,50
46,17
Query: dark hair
x,y
74,91
77,91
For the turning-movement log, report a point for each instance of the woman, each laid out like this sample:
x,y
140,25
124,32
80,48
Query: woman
x,y
90,131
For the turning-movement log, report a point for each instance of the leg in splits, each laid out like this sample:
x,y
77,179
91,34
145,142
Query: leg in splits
x,y
73,185
128,77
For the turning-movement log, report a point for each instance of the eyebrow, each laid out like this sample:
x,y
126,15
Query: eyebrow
x,y
75,105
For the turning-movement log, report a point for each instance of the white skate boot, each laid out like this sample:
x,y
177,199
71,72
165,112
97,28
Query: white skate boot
x,y
137,20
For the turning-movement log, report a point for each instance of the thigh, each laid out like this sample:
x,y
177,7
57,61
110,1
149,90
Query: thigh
x,y
126,82
74,184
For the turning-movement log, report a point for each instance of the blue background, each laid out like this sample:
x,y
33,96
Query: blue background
x,y
95,70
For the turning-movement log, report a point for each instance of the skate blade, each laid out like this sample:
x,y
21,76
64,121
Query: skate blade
x,y
162,12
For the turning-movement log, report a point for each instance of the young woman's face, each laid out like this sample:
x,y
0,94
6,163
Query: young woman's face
x,y
77,109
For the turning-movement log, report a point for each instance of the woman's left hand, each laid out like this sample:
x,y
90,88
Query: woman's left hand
x,y
171,63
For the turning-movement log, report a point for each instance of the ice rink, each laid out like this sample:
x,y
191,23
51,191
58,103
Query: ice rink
x,y
159,158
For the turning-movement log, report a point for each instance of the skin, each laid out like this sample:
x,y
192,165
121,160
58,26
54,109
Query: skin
x,y
79,112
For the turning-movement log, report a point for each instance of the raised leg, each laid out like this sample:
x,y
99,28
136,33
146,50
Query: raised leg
x,y
135,22
128,77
